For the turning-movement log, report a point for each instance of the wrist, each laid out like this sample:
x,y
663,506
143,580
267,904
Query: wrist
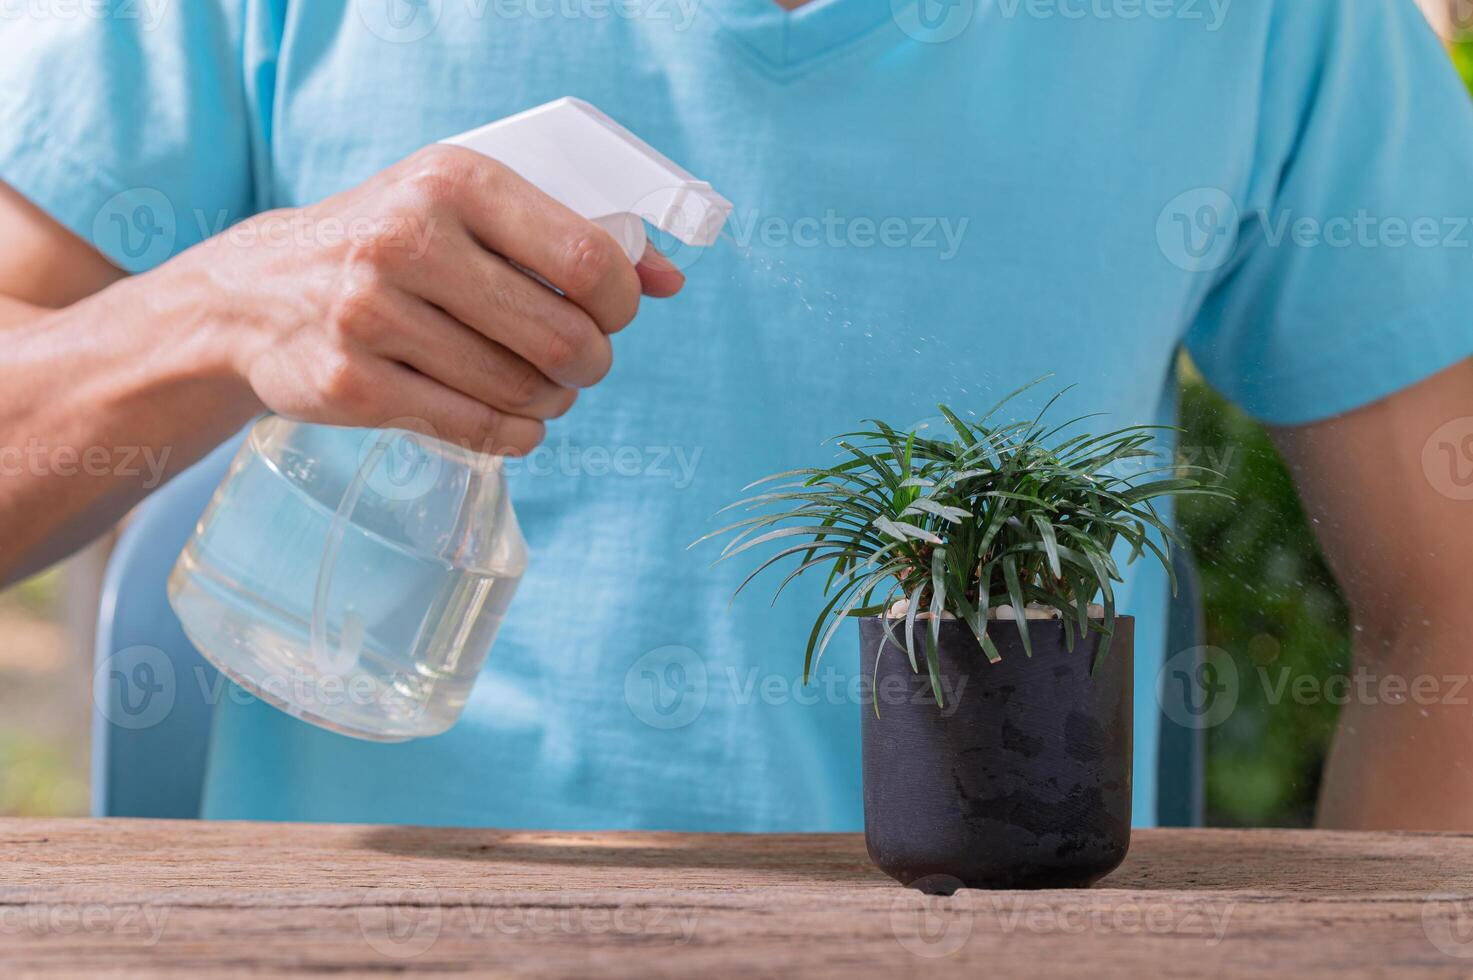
x,y
170,354
197,308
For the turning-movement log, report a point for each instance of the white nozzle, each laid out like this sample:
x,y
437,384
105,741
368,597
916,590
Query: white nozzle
x,y
585,160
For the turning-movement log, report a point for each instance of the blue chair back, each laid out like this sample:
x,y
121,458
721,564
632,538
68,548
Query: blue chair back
x,y
153,693
1181,766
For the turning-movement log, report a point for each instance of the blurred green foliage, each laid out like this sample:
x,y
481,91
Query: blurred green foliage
x,y
39,774
39,778
37,596
1273,606
1462,52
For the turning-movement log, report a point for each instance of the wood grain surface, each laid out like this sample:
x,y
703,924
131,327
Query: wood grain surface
x,y
192,899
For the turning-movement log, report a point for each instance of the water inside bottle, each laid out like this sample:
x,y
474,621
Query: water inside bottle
x,y
412,604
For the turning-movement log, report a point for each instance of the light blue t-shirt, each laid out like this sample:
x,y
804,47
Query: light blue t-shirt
x,y
935,202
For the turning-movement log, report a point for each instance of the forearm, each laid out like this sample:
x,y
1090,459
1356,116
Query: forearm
x,y
102,401
1399,760
1397,541
402,301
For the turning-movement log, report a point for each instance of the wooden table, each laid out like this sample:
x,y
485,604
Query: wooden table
x,y
94,897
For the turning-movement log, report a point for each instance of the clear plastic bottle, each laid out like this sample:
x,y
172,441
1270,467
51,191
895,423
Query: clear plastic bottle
x,y
351,577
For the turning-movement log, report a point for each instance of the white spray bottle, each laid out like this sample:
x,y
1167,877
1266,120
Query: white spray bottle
x,y
356,579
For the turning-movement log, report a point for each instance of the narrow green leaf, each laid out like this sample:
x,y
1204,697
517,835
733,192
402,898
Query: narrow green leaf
x,y
1050,543
933,664
1018,602
904,531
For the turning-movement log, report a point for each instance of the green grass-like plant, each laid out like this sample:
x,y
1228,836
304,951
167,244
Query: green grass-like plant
x,y
1009,512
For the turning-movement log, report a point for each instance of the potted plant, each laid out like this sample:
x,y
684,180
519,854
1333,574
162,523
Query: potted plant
x,y
997,726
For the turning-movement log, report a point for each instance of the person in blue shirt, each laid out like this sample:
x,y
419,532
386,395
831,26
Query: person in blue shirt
x,y
218,208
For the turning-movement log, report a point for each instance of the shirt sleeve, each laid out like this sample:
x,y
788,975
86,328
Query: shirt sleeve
x,y
1352,273
127,121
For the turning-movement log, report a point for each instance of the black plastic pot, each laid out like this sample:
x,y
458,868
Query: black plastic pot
x,y
1022,780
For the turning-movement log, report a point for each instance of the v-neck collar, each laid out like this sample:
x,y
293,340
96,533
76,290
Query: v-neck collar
x,y
786,40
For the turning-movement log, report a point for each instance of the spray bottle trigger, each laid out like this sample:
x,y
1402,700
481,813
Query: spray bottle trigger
x,y
588,162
